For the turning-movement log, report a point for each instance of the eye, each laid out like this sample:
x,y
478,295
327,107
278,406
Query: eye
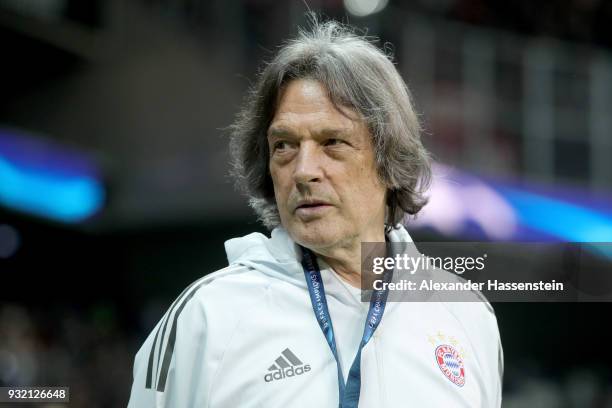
x,y
333,142
279,145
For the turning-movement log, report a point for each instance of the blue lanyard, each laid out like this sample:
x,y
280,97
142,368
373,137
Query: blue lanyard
x,y
349,392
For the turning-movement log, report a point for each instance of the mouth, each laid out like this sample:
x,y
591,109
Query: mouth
x,y
311,204
311,208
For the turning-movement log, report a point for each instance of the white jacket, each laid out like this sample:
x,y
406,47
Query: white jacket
x,y
246,336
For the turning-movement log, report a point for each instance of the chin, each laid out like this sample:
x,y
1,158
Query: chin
x,y
314,236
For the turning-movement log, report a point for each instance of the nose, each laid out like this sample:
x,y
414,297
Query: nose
x,y
308,164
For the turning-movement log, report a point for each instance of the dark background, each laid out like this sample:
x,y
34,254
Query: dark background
x,y
147,88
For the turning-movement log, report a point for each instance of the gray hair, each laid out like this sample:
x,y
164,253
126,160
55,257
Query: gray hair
x,y
356,74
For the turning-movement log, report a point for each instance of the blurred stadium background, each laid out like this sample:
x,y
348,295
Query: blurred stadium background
x,y
114,192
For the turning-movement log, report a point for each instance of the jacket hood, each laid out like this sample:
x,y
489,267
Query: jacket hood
x,y
279,255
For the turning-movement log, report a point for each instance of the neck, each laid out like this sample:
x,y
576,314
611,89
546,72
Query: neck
x,y
346,263
345,260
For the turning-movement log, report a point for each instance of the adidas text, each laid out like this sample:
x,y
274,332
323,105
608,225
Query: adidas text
x,y
287,372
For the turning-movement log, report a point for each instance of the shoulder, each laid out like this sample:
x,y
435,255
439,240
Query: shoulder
x,y
460,292
228,288
236,277
212,304
469,307
205,314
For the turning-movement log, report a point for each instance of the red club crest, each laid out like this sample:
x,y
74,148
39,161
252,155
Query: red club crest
x,y
451,364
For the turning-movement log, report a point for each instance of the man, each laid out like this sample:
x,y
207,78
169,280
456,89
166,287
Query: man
x,y
327,147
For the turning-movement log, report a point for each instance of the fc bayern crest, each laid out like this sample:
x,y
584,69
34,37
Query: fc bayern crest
x,y
451,364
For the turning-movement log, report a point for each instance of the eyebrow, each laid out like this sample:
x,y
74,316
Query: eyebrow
x,y
276,131
330,132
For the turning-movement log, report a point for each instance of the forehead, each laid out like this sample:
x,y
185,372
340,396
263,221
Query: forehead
x,y
307,102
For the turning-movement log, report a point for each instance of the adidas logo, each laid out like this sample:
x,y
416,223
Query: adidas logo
x,y
286,365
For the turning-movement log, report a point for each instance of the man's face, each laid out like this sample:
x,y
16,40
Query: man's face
x,y
322,165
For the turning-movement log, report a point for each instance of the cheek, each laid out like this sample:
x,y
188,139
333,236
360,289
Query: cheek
x,y
375,183
275,176
370,191
281,189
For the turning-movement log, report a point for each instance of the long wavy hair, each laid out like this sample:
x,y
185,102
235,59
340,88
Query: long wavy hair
x,y
356,74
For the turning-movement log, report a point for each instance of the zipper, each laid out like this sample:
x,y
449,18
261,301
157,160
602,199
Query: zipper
x,y
381,372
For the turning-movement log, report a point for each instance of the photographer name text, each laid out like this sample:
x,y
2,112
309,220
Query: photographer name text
x,y
489,285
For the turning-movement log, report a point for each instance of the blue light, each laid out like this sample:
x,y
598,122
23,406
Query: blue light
x,y
44,192
566,221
